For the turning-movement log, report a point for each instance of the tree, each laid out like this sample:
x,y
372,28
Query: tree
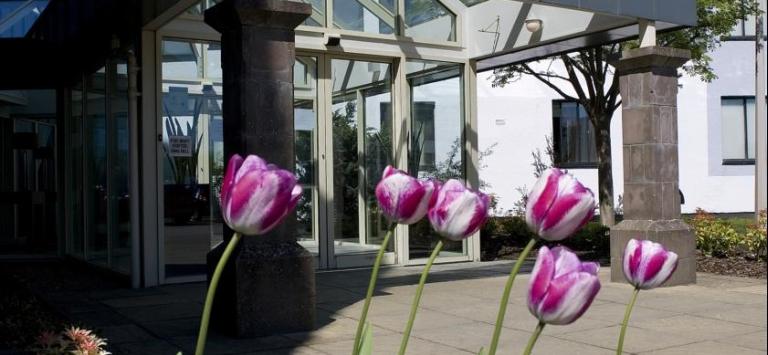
x,y
591,76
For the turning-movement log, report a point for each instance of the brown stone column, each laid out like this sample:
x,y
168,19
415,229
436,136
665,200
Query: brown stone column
x,y
268,286
651,195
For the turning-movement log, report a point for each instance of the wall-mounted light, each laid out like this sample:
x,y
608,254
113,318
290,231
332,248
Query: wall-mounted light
x,y
533,25
331,39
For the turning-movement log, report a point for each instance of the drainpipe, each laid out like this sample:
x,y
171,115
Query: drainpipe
x,y
760,115
133,129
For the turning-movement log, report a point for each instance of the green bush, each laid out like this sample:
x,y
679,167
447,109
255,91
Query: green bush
x,y
723,237
512,232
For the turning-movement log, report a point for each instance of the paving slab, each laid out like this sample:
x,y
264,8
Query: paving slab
x,y
705,348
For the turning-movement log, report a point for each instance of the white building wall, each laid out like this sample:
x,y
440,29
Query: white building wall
x,y
518,116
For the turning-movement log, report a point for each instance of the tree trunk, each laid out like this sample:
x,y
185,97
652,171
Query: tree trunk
x,y
604,171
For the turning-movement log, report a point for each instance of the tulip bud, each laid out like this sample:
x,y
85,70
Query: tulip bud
x,y
255,196
647,264
558,205
561,286
402,198
458,212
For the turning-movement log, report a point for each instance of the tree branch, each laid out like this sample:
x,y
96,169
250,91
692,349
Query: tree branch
x,y
543,79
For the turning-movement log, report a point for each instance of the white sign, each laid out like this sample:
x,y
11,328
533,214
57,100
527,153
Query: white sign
x,y
180,146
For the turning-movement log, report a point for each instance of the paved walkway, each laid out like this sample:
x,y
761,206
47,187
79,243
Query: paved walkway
x,y
719,315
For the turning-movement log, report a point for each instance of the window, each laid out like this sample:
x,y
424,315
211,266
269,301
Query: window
x,y
573,136
429,20
745,28
738,130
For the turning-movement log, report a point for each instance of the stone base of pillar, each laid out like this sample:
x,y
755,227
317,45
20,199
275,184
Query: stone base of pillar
x,y
674,234
268,287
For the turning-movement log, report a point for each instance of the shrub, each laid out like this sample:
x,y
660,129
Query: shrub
x,y
512,232
715,236
754,241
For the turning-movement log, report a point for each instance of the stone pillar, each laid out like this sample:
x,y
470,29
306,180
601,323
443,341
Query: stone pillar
x,y
648,85
268,286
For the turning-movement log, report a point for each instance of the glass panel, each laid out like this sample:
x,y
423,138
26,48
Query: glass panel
x,y
733,132
362,125
750,102
193,157
437,122
305,125
371,16
574,137
317,18
18,17
119,174
75,184
429,19
96,168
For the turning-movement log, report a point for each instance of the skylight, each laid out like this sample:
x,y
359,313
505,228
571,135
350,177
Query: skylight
x,y
17,17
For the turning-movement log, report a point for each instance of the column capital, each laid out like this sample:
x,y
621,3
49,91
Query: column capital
x,y
646,58
235,14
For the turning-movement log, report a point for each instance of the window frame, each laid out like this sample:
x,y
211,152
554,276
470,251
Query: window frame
x,y
745,116
556,141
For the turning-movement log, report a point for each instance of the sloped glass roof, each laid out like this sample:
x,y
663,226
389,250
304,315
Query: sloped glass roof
x,y
17,17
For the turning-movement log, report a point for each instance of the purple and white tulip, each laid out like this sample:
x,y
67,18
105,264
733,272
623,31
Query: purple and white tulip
x,y
561,286
558,205
256,196
458,212
647,264
404,199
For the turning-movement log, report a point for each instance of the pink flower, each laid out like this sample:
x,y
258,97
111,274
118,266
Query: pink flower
x,y
403,198
558,205
255,196
647,264
561,286
458,212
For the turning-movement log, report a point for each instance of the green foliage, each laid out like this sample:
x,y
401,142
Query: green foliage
x,y
512,232
716,19
593,238
722,237
366,344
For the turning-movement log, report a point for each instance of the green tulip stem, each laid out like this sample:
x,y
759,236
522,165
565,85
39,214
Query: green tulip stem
x,y
505,296
417,297
534,337
201,337
627,313
371,287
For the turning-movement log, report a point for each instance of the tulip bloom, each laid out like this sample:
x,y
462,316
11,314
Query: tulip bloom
x,y
647,264
403,199
256,196
561,289
558,205
561,286
458,212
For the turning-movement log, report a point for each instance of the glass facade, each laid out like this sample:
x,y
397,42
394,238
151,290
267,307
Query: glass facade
x,y
97,171
192,154
437,140
573,136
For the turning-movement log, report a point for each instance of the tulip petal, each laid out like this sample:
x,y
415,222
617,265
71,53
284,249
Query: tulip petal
x,y
251,163
542,274
480,214
282,203
229,179
664,271
568,297
566,261
541,197
566,215
590,267
633,254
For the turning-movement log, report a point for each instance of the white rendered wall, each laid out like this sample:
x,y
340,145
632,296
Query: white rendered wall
x,y
518,116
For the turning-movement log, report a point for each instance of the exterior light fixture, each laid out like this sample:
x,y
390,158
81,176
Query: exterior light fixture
x,y
533,25
332,39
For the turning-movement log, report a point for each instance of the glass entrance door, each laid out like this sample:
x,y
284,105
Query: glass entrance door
x,y
361,135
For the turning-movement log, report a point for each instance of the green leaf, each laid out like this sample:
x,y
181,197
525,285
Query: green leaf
x,y
482,351
366,346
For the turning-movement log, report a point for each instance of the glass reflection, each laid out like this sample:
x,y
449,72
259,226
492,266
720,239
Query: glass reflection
x,y
437,122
